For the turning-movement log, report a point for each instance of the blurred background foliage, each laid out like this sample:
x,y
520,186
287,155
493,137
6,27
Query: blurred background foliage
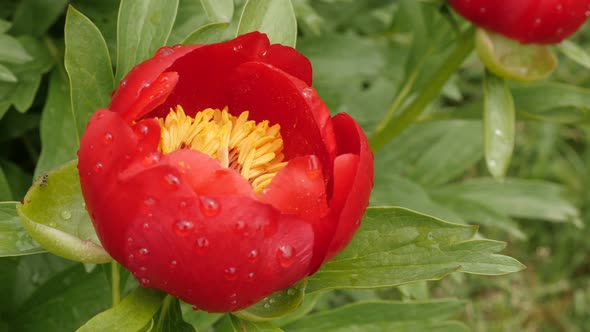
x,y
363,53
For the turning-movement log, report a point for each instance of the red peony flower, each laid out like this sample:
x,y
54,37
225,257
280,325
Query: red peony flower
x,y
217,174
528,21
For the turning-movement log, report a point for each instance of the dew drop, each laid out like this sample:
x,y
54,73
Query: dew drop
x,y
271,301
66,215
164,51
150,159
238,47
230,274
307,93
209,206
291,291
173,264
145,226
266,306
250,276
183,227
240,226
171,181
149,201
98,167
233,299
430,236
131,257
107,138
143,251
253,255
286,255
313,167
123,83
91,146
142,130
144,282
182,204
142,269
201,245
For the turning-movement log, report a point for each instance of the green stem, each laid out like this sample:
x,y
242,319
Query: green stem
x,y
115,283
390,126
164,311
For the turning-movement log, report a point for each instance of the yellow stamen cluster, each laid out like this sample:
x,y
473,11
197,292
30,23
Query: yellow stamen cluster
x,y
253,149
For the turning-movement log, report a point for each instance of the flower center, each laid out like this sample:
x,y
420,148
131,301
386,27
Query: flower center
x,y
253,149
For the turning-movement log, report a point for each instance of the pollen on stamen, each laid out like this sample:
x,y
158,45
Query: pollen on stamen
x,y
253,149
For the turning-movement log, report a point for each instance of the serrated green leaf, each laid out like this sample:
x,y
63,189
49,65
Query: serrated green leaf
x,y
89,67
14,239
59,140
276,18
12,51
35,17
53,213
384,316
142,28
499,125
395,246
6,75
219,10
276,305
132,314
207,34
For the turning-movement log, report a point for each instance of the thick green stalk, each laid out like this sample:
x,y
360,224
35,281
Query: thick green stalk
x,y
393,126
115,283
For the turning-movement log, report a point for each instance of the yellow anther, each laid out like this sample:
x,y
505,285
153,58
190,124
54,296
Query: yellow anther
x,y
253,149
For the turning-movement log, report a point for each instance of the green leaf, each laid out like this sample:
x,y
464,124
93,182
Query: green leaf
x,y
499,125
63,302
4,25
12,51
172,320
553,101
142,28
35,17
277,305
6,75
200,320
14,239
537,200
276,18
190,17
132,314
219,10
59,140
512,60
384,316
5,191
89,67
240,325
207,34
53,213
395,246
15,125
575,53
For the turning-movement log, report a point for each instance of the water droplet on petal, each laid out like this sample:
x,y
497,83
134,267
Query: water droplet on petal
x,y
313,167
142,130
131,257
307,93
182,204
150,159
250,276
142,269
209,206
238,47
233,299
149,200
123,83
253,255
240,226
143,251
201,245
164,51
66,215
183,227
230,274
171,181
173,264
145,226
144,282
286,255
98,167
107,138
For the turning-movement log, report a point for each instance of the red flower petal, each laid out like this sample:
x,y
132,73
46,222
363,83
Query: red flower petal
x,y
271,94
353,180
